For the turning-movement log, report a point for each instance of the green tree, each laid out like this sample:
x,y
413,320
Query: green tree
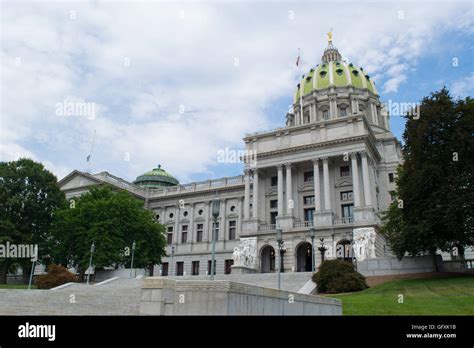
x,y
112,220
435,191
29,195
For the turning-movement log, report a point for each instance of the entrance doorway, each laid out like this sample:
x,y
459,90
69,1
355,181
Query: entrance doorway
x,y
267,259
304,256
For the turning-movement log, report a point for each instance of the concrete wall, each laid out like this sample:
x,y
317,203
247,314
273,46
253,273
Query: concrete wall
x,y
161,296
389,266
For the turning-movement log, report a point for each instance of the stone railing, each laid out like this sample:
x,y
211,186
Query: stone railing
x,y
267,227
343,221
303,224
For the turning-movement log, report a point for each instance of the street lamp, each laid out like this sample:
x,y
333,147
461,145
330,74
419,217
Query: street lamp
x,y
133,253
312,234
322,249
172,254
90,263
215,214
279,239
33,265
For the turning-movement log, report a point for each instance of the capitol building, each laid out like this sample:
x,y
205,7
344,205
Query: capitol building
x,y
326,174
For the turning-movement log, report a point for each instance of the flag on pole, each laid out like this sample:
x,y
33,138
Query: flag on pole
x,y
88,157
298,59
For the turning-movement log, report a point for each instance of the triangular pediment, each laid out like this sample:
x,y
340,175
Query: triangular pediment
x,y
77,179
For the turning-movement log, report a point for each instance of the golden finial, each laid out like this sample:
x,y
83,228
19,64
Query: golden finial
x,y
330,36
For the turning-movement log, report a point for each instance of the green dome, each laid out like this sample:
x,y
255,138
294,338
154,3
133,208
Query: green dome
x,y
335,74
157,177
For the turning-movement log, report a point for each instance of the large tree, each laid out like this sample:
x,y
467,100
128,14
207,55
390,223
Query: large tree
x,y
112,221
435,187
29,195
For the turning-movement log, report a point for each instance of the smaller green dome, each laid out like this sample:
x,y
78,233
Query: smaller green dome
x,y
156,178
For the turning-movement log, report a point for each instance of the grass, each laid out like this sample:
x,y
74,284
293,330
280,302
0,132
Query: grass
x,y
433,296
16,286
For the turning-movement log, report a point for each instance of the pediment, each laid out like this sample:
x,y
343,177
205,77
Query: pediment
x,y
77,179
343,183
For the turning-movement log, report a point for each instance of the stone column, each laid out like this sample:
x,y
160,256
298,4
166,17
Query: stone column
x,y
206,232
327,198
255,195
289,191
191,225
332,108
222,220
355,179
317,185
280,190
239,219
247,195
365,180
176,225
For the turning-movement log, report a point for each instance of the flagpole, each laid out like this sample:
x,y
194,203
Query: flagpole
x,y
90,153
301,90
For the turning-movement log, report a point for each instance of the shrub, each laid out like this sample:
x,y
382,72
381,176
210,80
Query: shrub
x,y
57,275
335,276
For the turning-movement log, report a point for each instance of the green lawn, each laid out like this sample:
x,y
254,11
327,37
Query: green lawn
x,y
16,286
433,296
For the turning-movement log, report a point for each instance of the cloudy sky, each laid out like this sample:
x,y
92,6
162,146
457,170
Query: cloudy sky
x,y
174,83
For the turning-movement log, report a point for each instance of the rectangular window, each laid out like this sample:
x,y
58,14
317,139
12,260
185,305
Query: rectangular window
x,y
209,267
326,114
164,269
195,270
179,268
232,228
199,232
169,238
345,171
274,181
343,112
184,234
273,216
309,214
308,176
228,265
306,116
273,204
347,196
347,210
308,200
391,177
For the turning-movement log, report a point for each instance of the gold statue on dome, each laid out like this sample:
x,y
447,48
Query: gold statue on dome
x,y
329,35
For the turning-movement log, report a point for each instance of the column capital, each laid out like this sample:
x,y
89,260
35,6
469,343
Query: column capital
x,y
325,158
363,153
354,154
247,171
315,160
255,171
279,166
288,165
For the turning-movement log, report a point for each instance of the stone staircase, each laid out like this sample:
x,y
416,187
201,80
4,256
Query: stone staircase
x,y
291,281
120,297
117,297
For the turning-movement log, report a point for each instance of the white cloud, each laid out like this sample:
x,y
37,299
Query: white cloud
x,y
463,87
141,62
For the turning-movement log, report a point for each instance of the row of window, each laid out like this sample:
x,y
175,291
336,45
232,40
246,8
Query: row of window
x,y
195,267
185,213
325,114
232,230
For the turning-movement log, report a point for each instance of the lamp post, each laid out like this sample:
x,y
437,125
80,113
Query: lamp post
x,y
133,253
172,254
33,265
279,239
312,234
322,249
215,214
90,263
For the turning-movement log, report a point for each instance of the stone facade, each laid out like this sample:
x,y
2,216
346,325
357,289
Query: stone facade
x,y
331,167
